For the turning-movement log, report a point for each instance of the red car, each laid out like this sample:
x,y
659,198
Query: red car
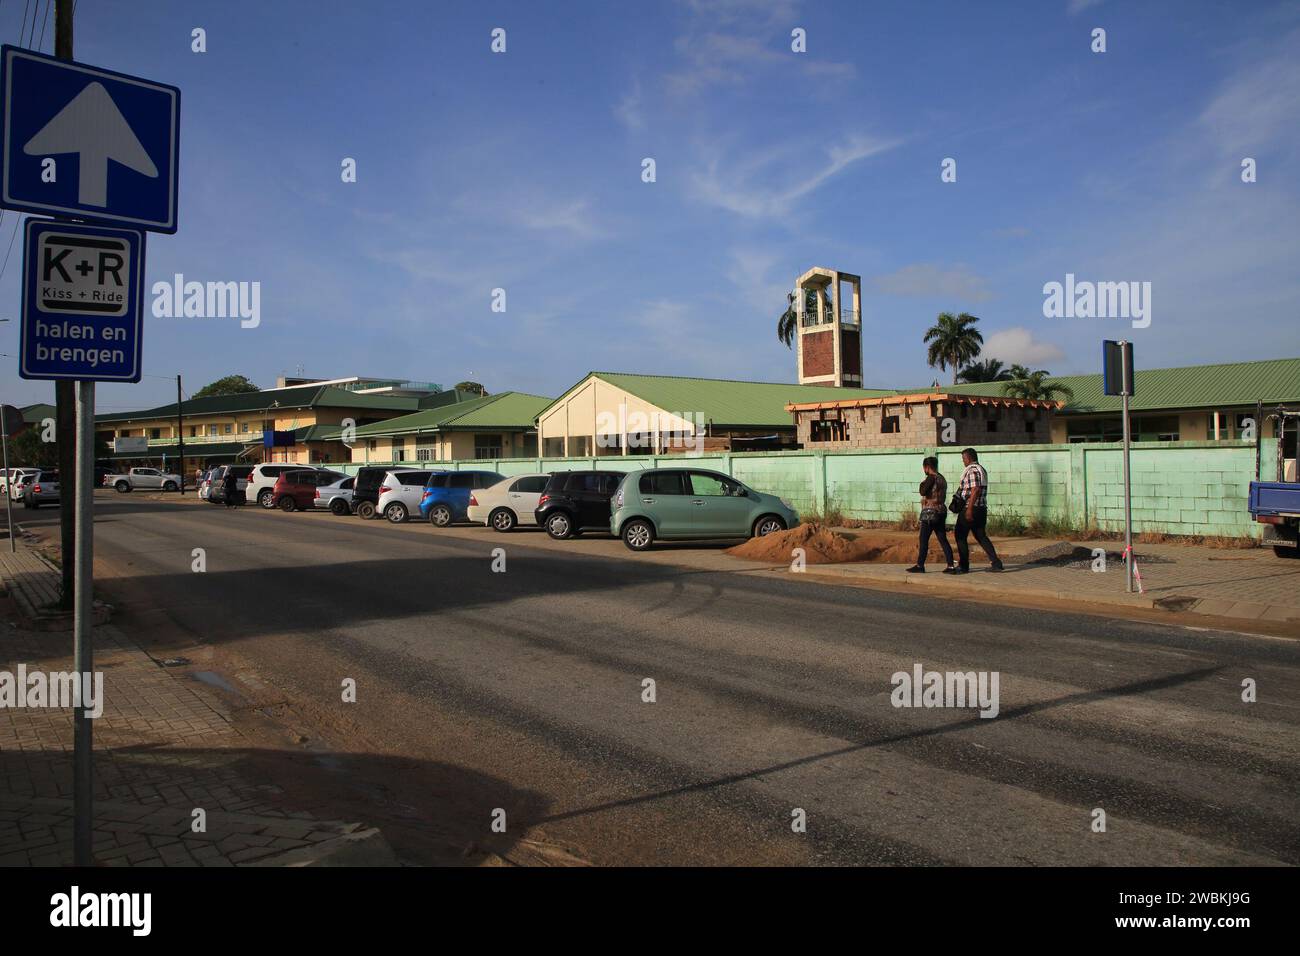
x,y
297,489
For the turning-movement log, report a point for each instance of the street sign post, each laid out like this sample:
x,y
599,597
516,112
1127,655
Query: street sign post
x,y
82,302
1117,379
63,122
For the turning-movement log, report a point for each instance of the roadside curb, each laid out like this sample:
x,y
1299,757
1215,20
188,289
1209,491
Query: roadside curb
x,y
36,585
1188,603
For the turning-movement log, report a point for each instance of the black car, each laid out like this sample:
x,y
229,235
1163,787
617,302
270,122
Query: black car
x,y
575,501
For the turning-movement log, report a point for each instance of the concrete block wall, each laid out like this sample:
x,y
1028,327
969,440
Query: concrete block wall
x,y
1198,487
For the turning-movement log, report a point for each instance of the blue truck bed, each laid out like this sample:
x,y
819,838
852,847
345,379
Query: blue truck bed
x,y
1274,498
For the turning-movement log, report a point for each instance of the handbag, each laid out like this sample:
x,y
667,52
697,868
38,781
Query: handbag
x,y
957,505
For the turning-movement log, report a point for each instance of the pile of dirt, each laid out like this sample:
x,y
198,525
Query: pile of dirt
x,y
823,545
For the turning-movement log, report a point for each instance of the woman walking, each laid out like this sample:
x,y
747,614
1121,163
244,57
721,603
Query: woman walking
x,y
934,514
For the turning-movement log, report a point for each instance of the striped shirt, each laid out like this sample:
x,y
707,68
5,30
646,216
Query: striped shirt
x,y
974,477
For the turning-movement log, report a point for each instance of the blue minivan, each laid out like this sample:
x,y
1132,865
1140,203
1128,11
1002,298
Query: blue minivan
x,y
446,496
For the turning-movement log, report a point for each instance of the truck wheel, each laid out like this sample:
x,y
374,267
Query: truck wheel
x,y
122,487
366,510
1286,551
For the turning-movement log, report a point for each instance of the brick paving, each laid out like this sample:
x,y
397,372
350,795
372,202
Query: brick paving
x,y
164,747
1250,584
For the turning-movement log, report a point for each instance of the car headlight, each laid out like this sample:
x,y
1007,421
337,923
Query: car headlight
x,y
786,502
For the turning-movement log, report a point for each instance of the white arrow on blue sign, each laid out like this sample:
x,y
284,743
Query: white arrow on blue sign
x,y
87,143
82,302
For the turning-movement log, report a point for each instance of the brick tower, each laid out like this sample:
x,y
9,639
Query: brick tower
x,y
830,340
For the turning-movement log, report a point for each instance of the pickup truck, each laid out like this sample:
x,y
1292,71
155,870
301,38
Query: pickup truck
x,y
1276,504
143,479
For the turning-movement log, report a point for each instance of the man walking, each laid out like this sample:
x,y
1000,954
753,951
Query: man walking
x,y
974,514
934,514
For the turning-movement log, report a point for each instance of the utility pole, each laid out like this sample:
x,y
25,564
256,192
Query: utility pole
x,y
180,438
65,395
1126,373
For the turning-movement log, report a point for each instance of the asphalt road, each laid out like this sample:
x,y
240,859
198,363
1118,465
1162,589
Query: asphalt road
x,y
523,691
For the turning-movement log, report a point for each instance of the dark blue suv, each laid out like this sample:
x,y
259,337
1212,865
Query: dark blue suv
x,y
446,496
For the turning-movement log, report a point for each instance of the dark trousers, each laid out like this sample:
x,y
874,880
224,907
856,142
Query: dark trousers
x,y
940,528
979,518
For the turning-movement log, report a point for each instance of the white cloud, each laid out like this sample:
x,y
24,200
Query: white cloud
x,y
1078,6
628,111
927,280
770,182
1018,344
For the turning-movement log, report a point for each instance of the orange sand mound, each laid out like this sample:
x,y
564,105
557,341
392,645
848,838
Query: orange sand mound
x,y
823,545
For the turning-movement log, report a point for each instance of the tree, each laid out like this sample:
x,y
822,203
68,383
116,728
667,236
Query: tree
x,y
954,342
471,387
788,324
1035,385
1018,371
27,449
989,370
230,385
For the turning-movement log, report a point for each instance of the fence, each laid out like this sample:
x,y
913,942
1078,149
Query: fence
x,y
1191,487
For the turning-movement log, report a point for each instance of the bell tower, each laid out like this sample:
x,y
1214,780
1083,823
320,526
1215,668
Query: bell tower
x,y
830,339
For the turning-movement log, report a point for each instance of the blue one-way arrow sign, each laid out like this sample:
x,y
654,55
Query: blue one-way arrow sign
x,y
87,143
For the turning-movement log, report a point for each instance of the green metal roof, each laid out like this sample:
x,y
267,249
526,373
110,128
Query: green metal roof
x,y
38,412
724,402
1191,386
506,411
302,396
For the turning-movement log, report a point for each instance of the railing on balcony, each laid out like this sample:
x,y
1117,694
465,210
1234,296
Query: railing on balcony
x,y
847,317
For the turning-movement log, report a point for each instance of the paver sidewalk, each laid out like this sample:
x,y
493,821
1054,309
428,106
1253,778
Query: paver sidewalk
x,y
1249,584
164,747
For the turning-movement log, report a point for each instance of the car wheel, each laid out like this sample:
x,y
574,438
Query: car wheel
x,y
396,512
638,535
768,524
503,519
122,487
366,510
169,486
440,516
338,506
265,498
286,503
559,526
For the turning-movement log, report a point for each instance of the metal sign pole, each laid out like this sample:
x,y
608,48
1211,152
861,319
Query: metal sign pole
x,y
83,756
1128,498
9,482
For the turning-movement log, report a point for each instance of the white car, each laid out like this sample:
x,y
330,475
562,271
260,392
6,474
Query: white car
x,y
262,481
401,492
337,497
509,503
17,475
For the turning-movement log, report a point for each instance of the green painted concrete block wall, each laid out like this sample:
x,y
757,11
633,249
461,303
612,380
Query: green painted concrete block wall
x,y
1177,487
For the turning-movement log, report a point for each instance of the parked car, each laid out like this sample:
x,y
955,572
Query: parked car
x,y
509,503
217,487
20,481
205,485
447,494
14,474
297,489
365,490
400,494
142,479
41,489
336,497
262,479
693,503
576,501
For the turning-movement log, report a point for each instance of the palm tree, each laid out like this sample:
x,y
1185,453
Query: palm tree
x,y
988,370
787,325
1018,371
1035,385
954,342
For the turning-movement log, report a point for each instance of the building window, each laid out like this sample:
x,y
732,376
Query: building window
x,y
552,447
828,431
372,444
212,429
579,446
991,425
1029,426
155,433
889,425
487,446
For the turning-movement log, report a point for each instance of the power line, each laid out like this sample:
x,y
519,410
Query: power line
x,y
44,23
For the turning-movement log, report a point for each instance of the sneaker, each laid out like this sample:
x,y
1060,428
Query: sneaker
x,y
916,569
995,566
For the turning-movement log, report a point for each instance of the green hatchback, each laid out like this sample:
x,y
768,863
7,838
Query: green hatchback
x,y
676,503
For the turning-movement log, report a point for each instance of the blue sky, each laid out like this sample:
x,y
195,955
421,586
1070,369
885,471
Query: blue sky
x,y
522,171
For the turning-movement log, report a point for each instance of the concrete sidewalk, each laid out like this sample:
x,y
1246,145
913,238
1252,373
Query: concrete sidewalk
x,y
165,746
1246,584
